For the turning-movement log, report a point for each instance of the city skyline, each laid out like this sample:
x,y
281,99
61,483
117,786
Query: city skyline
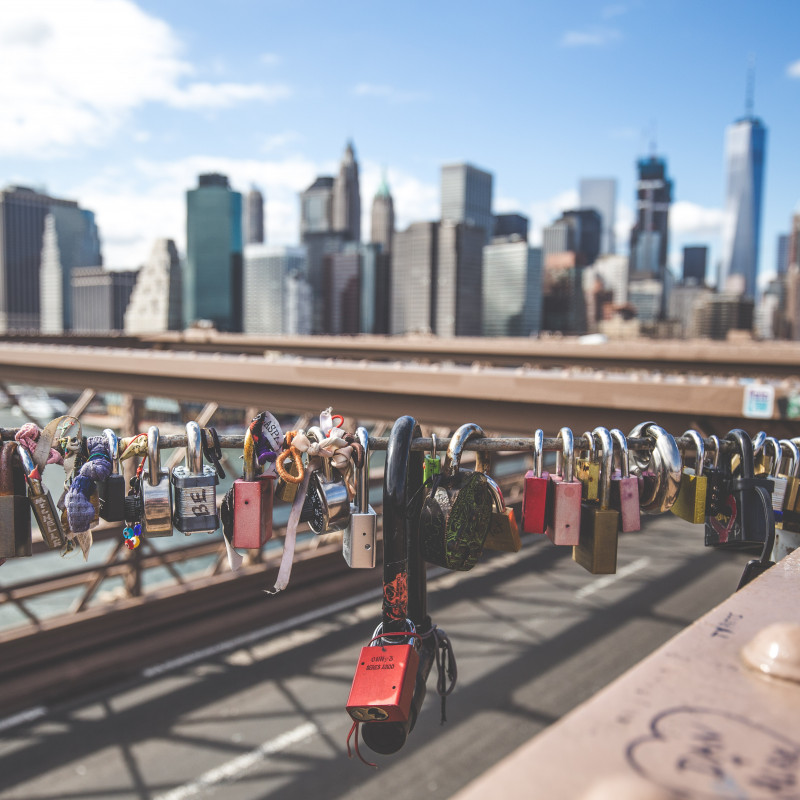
x,y
212,94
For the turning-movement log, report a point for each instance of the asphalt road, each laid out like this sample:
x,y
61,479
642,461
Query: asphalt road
x,y
533,633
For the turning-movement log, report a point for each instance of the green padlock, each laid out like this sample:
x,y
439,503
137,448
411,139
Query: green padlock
x,y
432,464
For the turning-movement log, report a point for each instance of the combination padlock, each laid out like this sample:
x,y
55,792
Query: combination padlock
x,y
596,551
690,504
564,496
252,502
156,492
15,510
111,491
360,538
534,496
195,485
625,488
327,505
44,509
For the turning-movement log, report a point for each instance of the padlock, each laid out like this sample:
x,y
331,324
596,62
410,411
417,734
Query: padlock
x,y
760,457
15,510
383,685
741,522
716,481
44,509
625,488
534,496
360,538
597,549
455,516
195,485
286,490
156,492
252,502
791,498
432,464
564,496
587,469
762,518
327,504
503,530
779,481
111,491
659,472
787,535
690,504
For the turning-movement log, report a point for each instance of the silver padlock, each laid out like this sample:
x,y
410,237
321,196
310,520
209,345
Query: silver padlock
x,y
156,492
327,506
195,488
359,541
44,508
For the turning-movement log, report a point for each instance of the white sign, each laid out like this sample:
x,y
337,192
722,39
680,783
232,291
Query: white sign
x,y
759,401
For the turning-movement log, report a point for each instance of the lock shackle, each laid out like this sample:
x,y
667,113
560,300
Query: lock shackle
x,y
699,448
113,447
771,445
250,466
497,495
362,475
591,450
153,456
434,444
538,452
28,465
746,450
664,462
565,457
618,437
194,448
759,440
603,436
462,435
793,468
715,447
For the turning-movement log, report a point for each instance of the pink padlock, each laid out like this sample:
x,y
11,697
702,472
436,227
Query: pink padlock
x,y
534,498
625,487
564,492
252,502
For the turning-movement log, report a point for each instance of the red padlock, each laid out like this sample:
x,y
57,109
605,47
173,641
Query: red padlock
x,y
383,686
534,498
252,502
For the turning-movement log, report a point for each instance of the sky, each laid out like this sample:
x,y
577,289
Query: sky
x,y
120,105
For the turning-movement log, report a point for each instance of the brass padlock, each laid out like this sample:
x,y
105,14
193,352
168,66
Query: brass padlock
x,y
779,480
787,536
156,492
587,469
690,504
596,551
15,510
503,529
791,498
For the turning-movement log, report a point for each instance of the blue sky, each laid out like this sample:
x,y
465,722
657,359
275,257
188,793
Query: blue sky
x,y
120,104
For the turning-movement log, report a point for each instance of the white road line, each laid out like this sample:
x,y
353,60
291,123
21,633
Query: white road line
x,y
29,715
607,580
232,769
261,633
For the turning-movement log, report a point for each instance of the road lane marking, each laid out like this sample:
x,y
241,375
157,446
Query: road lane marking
x,y
29,715
607,580
232,769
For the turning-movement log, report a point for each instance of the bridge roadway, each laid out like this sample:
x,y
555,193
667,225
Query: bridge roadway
x,y
503,399
263,716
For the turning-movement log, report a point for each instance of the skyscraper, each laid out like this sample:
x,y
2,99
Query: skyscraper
x,y
745,151
347,197
382,231
212,278
694,264
253,217
508,226
650,234
156,301
413,279
512,289
601,195
316,207
22,224
100,298
467,197
458,286
782,254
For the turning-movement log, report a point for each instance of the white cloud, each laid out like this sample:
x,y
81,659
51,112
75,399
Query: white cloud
x,y
72,72
793,70
691,219
388,93
591,37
